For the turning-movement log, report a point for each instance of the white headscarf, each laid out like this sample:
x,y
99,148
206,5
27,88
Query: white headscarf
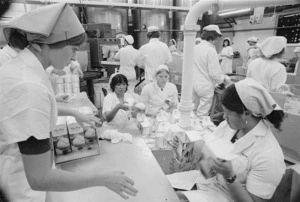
x,y
273,45
256,98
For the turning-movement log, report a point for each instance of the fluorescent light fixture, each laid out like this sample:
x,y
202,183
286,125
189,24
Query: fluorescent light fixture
x,y
229,12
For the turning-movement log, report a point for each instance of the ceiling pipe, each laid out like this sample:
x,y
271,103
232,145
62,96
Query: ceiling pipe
x,y
190,29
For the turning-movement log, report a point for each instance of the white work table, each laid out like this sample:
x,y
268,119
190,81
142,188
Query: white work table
x,y
135,159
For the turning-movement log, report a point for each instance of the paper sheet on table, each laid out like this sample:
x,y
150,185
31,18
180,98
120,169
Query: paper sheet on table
x,y
185,180
222,149
194,135
205,196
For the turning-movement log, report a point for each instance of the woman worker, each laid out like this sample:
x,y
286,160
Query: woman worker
x,y
252,52
267,70
28,109
160,92
207,71
250,113
128,60
227,55
117,103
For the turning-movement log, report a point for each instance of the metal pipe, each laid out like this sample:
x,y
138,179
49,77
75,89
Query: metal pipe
x,y
260,29
190,28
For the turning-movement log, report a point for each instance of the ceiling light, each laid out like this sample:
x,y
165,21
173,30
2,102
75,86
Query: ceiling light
x,y
229,12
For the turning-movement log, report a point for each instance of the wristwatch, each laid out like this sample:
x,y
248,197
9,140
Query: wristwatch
x,y
231,180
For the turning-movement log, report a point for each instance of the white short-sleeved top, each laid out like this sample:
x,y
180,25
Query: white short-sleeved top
x,y
110,101
207,69
260,165
154,97
27,108
270,73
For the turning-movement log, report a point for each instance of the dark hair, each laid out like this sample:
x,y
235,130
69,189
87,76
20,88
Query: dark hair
x,y
118,79
162,70
154,34
277,55
17,39
75,41
231,100
209,35
227,41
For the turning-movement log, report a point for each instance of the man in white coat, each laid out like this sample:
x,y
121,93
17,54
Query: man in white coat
x,y
207,71
128,60
155,52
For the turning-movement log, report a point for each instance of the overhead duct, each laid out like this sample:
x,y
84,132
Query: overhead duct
x,y
190,28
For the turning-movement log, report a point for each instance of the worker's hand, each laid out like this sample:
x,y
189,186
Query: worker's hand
x,y
123,106
176,144
120,184
227,81
58,72
89,119
223,167
62,97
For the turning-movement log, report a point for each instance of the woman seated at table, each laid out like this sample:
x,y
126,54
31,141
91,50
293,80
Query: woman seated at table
x,y
117,103
254,174
160,94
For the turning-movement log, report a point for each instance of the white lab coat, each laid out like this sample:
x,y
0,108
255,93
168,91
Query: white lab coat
x,y
226,64
6,54
270,73
128,60
207,73
154,98
156,53
28,108
110,101
258,155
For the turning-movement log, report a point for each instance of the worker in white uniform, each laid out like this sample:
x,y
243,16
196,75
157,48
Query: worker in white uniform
x,y
250,114
128,60
155,53
172,45
117,103
207,71
227,55
160,93
252,51
267,70
29,110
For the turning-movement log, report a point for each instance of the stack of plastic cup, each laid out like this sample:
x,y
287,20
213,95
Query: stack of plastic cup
x,y
60,88
75,84
68,84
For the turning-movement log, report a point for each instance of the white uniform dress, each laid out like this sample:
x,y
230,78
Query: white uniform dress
x,y
110,101
207,73
270,73
259,166
127,56
226,64
154,97
28,108
6,54
157,53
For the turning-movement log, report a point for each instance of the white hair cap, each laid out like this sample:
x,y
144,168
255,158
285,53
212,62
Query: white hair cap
x,y
273,45
152,29
256,98
129,39
212,28
161,67
252,39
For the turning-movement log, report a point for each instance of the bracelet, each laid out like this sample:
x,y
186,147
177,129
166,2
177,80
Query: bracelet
x,y
231,180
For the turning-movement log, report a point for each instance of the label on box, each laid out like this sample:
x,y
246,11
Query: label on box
x,y
60,128
292,105
73,126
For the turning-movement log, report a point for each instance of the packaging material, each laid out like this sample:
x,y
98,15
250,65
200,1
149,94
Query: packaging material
x,y
60,136
116,136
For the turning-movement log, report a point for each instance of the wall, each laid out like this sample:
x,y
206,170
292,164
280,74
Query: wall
x,y
240,38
